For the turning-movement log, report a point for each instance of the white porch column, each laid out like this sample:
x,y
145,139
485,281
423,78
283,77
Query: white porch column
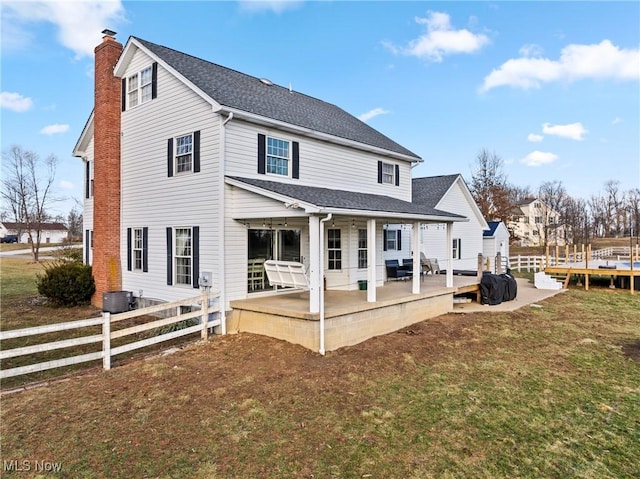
x,y
371,261
415,245
449,254
315,268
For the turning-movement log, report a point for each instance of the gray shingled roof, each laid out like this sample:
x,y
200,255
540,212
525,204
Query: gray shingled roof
x,y
349,200
243,92
430,190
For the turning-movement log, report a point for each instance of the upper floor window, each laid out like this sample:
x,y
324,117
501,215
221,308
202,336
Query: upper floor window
x,y
278,156
183,153
139,87
388,173
537,205
538,220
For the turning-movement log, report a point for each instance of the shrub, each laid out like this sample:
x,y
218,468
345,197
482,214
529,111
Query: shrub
x,y
68,252
66,283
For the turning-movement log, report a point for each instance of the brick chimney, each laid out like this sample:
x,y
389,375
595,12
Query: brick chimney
x,y
106,200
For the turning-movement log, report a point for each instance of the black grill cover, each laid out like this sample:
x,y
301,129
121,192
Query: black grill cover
x,y
511,288
492,289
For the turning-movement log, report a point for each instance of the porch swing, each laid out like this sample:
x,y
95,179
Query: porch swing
x,y
287,274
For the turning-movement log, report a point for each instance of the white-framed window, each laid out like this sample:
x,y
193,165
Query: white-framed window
x,y
183,256
538,220
139,89
183,153
362,249
537,205
137,247
388,173
456,248
334,249
391,239
278,156
536,233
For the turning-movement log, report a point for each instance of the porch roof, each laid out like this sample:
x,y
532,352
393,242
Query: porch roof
x,y
318,200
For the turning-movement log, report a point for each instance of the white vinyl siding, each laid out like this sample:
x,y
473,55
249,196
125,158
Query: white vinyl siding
x,y
322,163
145,184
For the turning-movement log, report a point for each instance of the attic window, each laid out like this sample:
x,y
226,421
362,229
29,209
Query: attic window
x,y
266,81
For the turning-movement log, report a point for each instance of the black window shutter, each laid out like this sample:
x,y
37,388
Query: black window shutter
x,y
88,181
397,175
262,159
145,249
379,172
170,157
295,167
384,240
460,248
399,245
123,99
129,251
169,256
87,245
196,151
195,254
154,80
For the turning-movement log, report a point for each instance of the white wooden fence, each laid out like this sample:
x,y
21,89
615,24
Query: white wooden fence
x,y
203,312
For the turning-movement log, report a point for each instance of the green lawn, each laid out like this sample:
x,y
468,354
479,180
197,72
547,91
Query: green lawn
x,y
550,392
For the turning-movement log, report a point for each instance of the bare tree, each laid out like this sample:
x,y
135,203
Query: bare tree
x,y
27,189
74,223
553,198
489,187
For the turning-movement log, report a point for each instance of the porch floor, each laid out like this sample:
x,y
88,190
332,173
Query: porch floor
x,y
340,303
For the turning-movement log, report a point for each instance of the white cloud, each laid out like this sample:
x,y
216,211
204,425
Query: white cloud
x,y
531,50
440,39
66,185
54,129
275,6
535,138
15,101
599,61
616,120
372,114
573,131
78,23
538,158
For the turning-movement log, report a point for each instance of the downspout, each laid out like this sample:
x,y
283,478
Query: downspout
x,y
221,226
329,216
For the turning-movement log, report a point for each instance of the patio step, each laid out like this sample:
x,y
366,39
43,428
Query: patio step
x,y
542,280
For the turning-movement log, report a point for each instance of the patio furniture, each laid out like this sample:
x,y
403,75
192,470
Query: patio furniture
x,y
255,274
286,274
395,271
429,265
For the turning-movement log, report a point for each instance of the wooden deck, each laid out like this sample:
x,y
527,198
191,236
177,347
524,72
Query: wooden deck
x,y
597,268
349,318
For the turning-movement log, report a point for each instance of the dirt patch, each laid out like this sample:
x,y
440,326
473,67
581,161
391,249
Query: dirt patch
x,y
631,349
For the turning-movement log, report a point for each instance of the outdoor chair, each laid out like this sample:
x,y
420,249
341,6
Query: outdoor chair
x,y
395,271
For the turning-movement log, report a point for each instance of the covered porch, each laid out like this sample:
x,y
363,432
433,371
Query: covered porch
x,y
340,249
349,317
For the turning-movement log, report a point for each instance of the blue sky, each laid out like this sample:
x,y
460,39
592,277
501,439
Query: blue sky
x,y
553,88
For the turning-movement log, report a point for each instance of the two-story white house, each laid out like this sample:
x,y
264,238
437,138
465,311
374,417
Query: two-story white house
x,y
536,224
194,170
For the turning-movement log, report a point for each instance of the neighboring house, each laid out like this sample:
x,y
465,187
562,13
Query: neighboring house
x,y
193,169
49,232
495,240
536,224
446,193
